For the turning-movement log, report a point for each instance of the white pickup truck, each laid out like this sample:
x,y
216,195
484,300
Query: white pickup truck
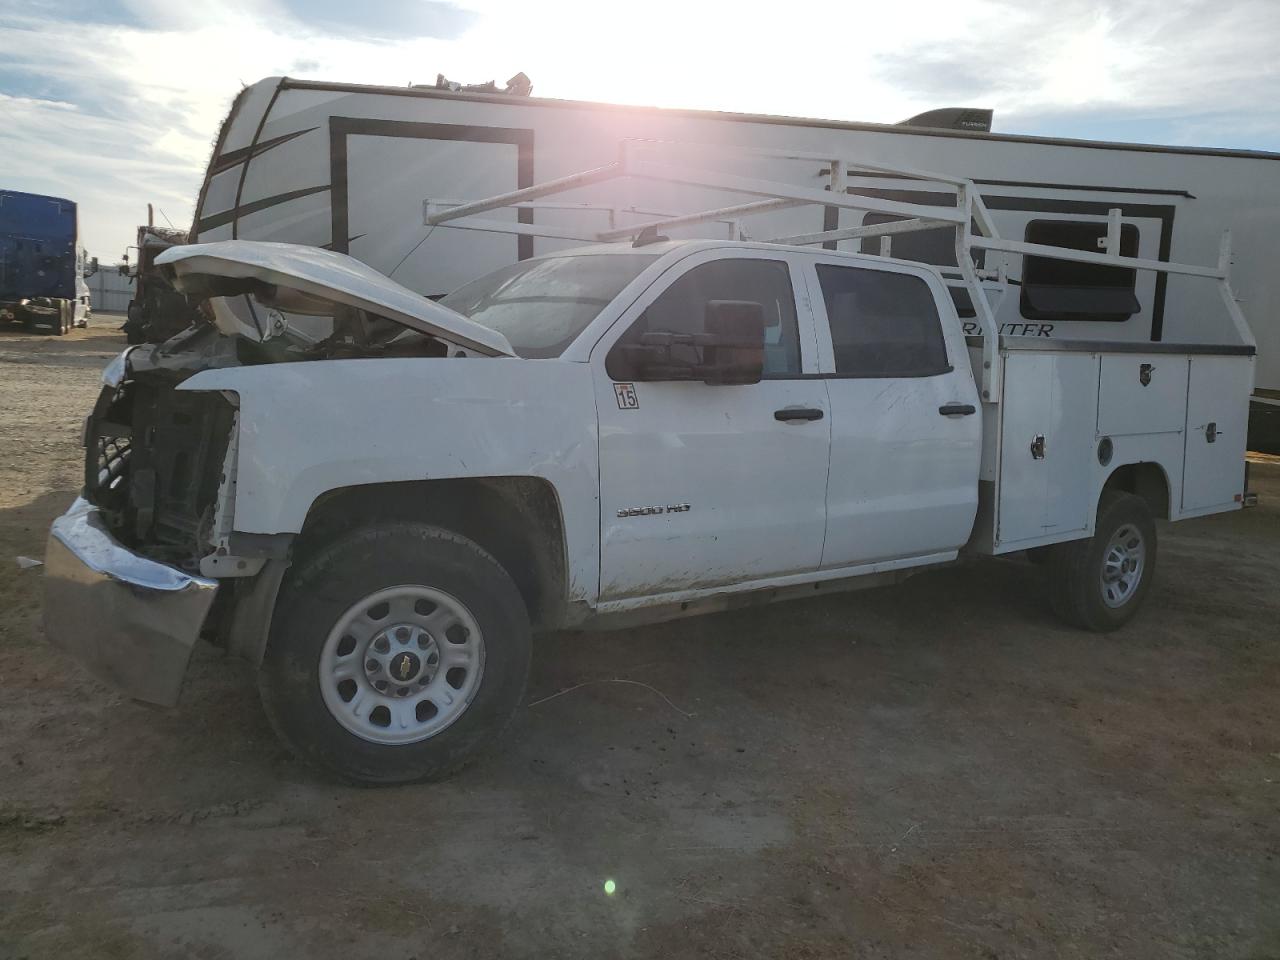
x,y
383,514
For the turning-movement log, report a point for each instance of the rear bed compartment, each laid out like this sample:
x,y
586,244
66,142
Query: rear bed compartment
x,y
1072,412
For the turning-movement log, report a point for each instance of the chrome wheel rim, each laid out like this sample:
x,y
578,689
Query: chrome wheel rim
x,y
1123,562
402,664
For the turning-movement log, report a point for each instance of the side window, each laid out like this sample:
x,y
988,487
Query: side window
x,y
937,247
681,308
1062,290
882,324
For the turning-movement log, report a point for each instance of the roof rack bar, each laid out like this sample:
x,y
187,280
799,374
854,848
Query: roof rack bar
x,y
568,206
1103,259
1112,245
913,225
672,173
852,167
1228,295
559,185
737,210
522,229
981,215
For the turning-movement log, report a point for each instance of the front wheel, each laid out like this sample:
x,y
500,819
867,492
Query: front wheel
x,y
396,654
1099,583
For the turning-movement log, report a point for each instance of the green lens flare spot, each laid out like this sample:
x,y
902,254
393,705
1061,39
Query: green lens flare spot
x,y
610,888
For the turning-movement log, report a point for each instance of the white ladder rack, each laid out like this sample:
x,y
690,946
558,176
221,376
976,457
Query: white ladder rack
x,y
685,164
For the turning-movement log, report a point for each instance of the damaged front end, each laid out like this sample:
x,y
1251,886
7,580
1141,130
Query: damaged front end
x,y
148,559
156,457
124,590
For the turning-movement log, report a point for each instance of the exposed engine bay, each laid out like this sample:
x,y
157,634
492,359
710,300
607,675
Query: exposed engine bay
x,y
156,457
160,462
271,324
153,460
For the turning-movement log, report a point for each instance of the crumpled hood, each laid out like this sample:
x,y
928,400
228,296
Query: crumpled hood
x,y
331,276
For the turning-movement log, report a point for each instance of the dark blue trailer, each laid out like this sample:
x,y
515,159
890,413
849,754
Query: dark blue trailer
x,y
42,265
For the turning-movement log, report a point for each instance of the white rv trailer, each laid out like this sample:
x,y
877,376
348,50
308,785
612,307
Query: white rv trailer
x,y
361,169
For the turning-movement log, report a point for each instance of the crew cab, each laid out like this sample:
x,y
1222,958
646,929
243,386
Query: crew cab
x,y
379,499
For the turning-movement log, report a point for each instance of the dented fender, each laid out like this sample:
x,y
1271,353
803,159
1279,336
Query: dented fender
x,y
306,429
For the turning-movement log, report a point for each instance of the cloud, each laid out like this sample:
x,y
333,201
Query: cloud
x,y
381,19
1175,71
74,11
114,103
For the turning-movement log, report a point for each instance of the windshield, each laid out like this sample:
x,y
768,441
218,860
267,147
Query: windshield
x,y
540,306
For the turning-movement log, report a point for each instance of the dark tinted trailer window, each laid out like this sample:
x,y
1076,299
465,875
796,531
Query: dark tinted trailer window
x,y
882,324
937,246
1063,290
681,308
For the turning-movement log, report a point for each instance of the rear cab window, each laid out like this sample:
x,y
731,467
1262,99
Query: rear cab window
x,y
883,323
936,247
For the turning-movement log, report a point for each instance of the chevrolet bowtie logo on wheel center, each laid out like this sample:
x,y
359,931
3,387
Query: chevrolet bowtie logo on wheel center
x,y
404,666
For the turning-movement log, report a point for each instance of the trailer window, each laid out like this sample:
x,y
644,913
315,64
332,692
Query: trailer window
x,y
882,324
542,305
936,247
1062,290
681,308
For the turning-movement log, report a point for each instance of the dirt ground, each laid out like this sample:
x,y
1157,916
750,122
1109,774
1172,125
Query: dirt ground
x,y
938,769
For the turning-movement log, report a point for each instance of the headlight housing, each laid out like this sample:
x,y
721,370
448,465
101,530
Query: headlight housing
x,y
113,373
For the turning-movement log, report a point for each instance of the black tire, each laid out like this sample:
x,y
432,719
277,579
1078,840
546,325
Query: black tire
x,y
1075,570
37,324
323,586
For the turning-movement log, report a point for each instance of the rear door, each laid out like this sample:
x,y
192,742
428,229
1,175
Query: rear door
x,y
905,423
703,485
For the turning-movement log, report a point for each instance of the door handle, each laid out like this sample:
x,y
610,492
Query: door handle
x,y
957,409
787,414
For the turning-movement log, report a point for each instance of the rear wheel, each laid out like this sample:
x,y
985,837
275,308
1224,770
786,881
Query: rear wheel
x,y
60,320
1100,583
397,653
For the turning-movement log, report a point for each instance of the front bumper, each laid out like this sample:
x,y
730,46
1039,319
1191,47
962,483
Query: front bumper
x,y
128,620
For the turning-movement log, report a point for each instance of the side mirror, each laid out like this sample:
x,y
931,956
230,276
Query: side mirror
x,y
123,269
729,351
93,267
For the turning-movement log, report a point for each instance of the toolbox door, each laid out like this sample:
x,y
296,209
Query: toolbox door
x,y
1046,441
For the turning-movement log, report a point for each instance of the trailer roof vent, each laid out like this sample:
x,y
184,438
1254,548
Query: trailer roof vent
x,y
953,118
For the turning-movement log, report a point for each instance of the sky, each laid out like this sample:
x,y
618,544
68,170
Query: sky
x,y
115,103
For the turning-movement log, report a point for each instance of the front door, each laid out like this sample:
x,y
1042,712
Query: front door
x,y
905,416
704,485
